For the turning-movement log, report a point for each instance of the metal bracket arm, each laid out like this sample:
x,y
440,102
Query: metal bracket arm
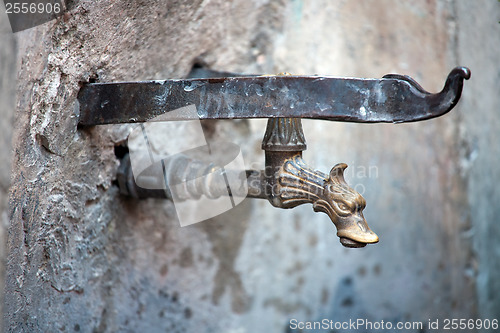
x,y
392,99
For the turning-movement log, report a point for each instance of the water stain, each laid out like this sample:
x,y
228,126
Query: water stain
x,y
324,296
188,313
362,271
226,233
164,270
313,240
186,258
286,307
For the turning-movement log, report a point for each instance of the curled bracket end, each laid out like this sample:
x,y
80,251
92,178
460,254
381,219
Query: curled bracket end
x,y
452,90
454,82
439,103
460,72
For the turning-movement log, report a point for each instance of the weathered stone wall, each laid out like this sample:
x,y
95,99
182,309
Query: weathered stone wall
x,y
478,37
83,258
7,106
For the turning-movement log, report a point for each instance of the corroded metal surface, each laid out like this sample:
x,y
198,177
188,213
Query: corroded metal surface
x,y
394,98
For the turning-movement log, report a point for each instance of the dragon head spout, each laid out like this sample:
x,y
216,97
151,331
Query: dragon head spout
x,y
344,206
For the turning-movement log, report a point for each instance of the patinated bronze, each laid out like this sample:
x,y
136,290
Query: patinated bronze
x,y
289,182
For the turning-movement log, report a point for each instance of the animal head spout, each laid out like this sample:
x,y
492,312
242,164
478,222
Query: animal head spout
x,y
298,184
344,206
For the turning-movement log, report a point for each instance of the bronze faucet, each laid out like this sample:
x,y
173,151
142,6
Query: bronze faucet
x,y
288,182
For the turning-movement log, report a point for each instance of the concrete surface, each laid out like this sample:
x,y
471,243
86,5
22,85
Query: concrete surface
x,y
83,258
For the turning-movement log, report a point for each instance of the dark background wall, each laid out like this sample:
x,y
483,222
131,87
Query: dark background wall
x,y
82,258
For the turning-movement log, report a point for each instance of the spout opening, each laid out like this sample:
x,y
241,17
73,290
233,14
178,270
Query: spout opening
x,y
351,243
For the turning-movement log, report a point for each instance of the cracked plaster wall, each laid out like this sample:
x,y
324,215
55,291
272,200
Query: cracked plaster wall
x,y
82,258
